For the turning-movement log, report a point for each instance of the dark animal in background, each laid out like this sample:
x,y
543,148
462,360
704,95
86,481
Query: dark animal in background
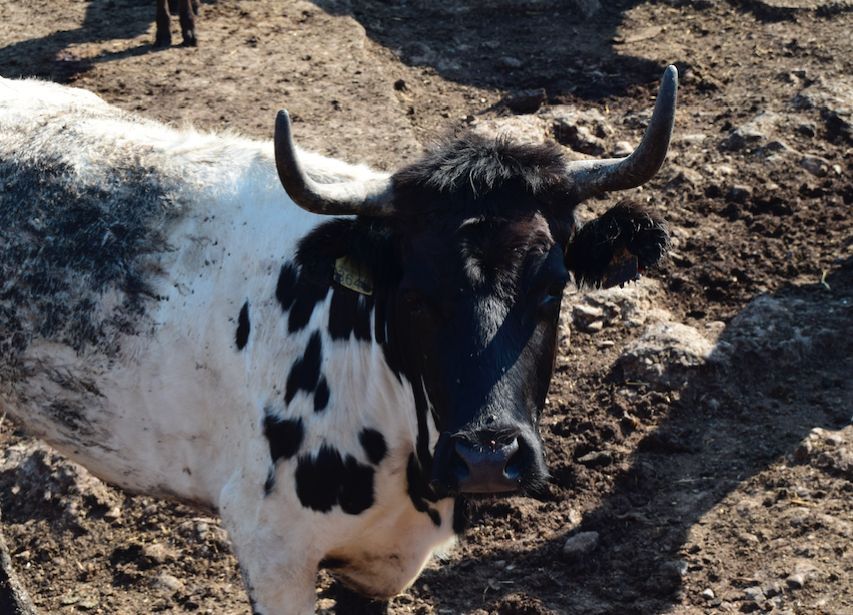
x,y
333,366
187,11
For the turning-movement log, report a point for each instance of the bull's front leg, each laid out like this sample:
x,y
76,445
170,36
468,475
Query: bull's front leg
x,y
277,554
186,14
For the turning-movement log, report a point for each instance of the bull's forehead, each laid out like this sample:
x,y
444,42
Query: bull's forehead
x,y
493,252
493,257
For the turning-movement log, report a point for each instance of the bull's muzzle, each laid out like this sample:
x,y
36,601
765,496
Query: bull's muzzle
x,y
483,462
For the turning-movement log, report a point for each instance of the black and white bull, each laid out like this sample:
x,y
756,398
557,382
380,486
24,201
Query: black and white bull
x,y
329,366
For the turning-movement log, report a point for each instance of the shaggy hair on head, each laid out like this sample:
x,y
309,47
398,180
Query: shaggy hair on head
x,y
472,167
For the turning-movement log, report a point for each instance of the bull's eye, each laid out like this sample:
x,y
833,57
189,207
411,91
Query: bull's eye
x,y
549,302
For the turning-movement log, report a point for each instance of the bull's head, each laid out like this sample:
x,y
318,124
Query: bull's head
x,y
481,236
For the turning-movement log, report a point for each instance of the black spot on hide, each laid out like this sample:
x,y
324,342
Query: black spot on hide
x,y
305,372
285,289
243,327
284,436
349,313
308,296
328,480
298,293
419,490
374,445
356,488
321,395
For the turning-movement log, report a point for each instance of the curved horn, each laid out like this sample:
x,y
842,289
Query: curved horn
x,y
595,176
367,198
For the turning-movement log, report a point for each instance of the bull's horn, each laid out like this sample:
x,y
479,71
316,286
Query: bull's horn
x,y
592,177
367,198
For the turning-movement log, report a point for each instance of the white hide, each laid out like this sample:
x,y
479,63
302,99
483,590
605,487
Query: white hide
x,y
181,410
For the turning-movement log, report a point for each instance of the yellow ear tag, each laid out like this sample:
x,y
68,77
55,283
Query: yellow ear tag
x,y
350,274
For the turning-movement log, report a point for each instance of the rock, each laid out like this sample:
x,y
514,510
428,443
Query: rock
x,y
579,545
621,149
783,331
756,594
168,583
664,355
829,451
753,133
796,580
738,193
708,594
815,165
579,138
807,129
584,316
49,479
583,131
834,101
632,306
156,553
522,128
596,459
680,176
525,101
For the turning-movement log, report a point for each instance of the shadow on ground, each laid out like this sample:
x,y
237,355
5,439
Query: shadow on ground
x,y
568,47
780,368
50,56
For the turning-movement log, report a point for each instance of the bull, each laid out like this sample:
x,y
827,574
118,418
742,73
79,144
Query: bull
x,y
332,367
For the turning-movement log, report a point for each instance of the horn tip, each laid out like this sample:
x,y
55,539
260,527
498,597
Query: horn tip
x,y
282,119
670,76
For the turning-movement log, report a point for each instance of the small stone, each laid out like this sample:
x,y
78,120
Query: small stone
x,y
596,459
168,583
525,101
815,165
675,568
157,553
585,316
622,148
582,543
113,514
772,589
807,129
756,594
708,594
579,138
796,580
739,193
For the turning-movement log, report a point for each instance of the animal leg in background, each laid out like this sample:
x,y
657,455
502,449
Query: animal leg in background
x,y
163,37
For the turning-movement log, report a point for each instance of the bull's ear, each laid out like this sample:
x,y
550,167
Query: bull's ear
x,y
616,247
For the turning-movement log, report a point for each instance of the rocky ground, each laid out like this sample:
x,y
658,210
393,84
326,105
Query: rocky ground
x,y
699,425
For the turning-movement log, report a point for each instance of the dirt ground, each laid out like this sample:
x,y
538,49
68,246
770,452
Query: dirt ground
x,y
710,473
